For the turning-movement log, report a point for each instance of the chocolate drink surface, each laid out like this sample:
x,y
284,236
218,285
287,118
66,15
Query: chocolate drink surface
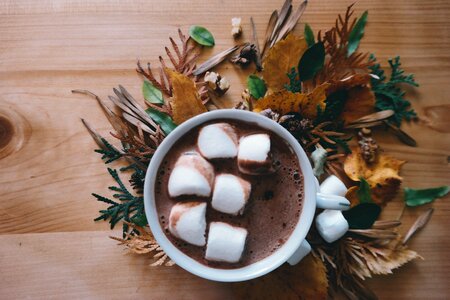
x,y
272,212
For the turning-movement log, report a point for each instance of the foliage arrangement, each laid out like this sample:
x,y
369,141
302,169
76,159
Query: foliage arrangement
x,y
323,90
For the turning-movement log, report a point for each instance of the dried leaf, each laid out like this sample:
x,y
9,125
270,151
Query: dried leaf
x,y
307,280
360,102
421,221
214,61
384,261
352,196
141,241
201,35
382,175
284,102
401,135
186,102
280,59
375,117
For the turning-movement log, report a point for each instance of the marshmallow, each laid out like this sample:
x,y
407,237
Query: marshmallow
x,y
331,225
225,242
254,154
192,175
187,222
230,194
333,186
217,141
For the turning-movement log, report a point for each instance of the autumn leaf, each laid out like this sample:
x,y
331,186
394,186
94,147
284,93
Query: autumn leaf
x,y
284,102
280,59
185,102
360,102
382,175
307,280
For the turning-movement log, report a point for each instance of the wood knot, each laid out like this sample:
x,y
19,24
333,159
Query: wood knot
x,y
14,131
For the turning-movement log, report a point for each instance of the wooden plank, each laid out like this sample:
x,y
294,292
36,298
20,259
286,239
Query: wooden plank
x,y
48,169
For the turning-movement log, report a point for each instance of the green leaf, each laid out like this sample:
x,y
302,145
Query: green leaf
x,y
363,192
309,35
164,120
151,93
416,197
356,34
201,35
139,219
311,61
256,86
362,216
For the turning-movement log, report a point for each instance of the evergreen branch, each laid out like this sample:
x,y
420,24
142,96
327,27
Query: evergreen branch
x,y
388,93
294,85
109,152
129,204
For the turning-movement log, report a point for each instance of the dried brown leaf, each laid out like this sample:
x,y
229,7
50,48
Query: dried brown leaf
x,y
284,102
307,280
283,56
421,221
360,102
186,102
382,175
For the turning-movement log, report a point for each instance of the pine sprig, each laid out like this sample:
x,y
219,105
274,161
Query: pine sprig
x,y
388,93
127,208
109,153
294,85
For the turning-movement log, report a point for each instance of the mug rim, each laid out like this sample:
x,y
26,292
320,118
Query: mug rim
x,y
264,265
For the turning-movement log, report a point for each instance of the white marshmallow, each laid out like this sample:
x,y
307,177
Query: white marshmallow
x,y
230,194
225,242
218,141
331,225
253,153
192,175
187,222
333,186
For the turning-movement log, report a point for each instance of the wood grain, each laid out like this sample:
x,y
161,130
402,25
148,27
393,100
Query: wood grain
x,y
50,248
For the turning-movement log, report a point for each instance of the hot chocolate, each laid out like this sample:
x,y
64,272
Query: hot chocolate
x,y
271,211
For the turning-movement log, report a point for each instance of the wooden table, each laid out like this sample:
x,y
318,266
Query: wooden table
x,y
49,245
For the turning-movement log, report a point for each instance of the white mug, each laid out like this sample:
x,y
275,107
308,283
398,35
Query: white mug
x,y
292,251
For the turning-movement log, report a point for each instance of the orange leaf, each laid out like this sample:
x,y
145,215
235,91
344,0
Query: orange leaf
x,y
280,59
382,175
360,102
307,280
284,102
352,196
185,102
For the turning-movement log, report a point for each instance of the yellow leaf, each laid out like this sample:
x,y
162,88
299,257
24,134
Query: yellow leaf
x,y
382,175
280,59
185,102
307,280
284,102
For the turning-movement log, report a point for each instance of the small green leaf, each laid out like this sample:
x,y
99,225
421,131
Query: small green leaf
x,y
151,93
363,192
256,86
416,197
362,216
356,34
201,35
309,35
164,120
139,219
311,61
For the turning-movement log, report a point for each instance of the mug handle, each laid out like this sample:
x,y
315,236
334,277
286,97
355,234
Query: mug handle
x,y
301,252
